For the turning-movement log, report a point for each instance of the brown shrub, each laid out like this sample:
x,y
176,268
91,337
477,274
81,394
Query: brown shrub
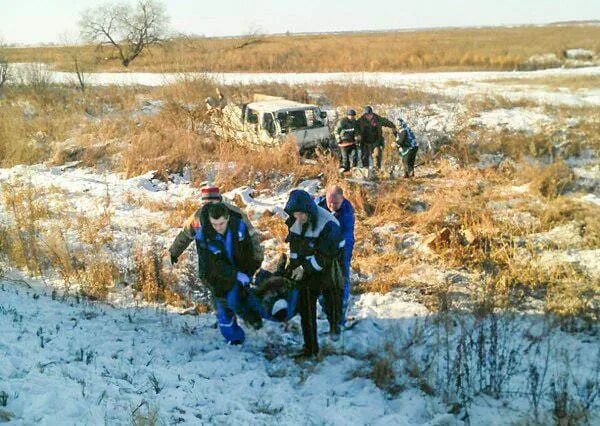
x,y
551,181
152,280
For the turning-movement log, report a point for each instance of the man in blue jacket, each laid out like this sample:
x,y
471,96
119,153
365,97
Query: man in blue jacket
x,y
343,211
225,248
316,245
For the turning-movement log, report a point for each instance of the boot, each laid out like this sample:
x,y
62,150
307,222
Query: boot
x,y
305,353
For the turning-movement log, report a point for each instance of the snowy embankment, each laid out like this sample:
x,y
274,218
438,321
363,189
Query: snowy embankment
x,y
450,84
68,360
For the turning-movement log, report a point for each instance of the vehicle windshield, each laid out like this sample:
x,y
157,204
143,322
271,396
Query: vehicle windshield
x,y
299,119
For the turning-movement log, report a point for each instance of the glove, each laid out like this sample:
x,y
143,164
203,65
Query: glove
x,y
173,259
242,279
279,211
298,273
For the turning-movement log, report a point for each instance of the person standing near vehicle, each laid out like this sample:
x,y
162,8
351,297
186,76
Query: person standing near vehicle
x,y
371,132
407,147
342,210
316,245
347,135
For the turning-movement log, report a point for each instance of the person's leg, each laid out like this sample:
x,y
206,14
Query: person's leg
x,y
228,325
346,289
345,163
366,155
411,161
332,298
379,158
307,307
405,165
354,155
245,304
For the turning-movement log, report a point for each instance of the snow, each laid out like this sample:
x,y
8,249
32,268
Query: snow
x,y
587,261
67,360
513,119
579,53
64,359
451,84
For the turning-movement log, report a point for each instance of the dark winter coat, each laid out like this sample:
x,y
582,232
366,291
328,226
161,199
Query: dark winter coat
x,y
223,256
347,132
371,130
192,224
318,244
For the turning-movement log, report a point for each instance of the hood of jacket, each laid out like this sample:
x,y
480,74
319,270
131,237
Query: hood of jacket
x,y
301,201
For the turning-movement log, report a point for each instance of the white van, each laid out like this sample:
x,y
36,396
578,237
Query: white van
x,y
269,121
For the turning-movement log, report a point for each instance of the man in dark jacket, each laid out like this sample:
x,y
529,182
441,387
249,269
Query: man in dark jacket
x,y
227,265
371,132
211,194
347,135
407,145
343,211
316,245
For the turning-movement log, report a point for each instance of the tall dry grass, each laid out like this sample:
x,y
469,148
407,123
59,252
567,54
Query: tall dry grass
x,y
433,49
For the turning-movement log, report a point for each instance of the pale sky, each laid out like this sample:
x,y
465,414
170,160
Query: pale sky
x,y
38,21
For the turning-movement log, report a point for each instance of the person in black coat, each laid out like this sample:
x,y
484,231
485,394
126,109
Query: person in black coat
x,y
316,249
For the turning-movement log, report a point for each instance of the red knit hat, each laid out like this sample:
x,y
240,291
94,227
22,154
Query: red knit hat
x,y
210,193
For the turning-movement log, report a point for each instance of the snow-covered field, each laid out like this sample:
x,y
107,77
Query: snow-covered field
x,y
68,360
452,84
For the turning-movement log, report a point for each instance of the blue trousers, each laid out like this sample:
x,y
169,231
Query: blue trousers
x,y
231,305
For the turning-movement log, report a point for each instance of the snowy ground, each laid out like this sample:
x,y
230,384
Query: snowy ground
x,y
64,359
67,361
452,84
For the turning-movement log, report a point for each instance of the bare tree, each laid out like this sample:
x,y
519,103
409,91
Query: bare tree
x,y
130,30
80,65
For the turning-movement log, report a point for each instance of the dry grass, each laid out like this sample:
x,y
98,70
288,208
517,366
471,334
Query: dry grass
x,y
571,82
553,180
439,49
153,281
27,210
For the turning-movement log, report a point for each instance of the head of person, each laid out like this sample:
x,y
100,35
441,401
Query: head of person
x,y
302,207
280,310
218,214
210,194
351,114
334,198
368,110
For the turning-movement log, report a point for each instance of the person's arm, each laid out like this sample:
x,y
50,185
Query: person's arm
x,y
347,227
185,236
384,122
